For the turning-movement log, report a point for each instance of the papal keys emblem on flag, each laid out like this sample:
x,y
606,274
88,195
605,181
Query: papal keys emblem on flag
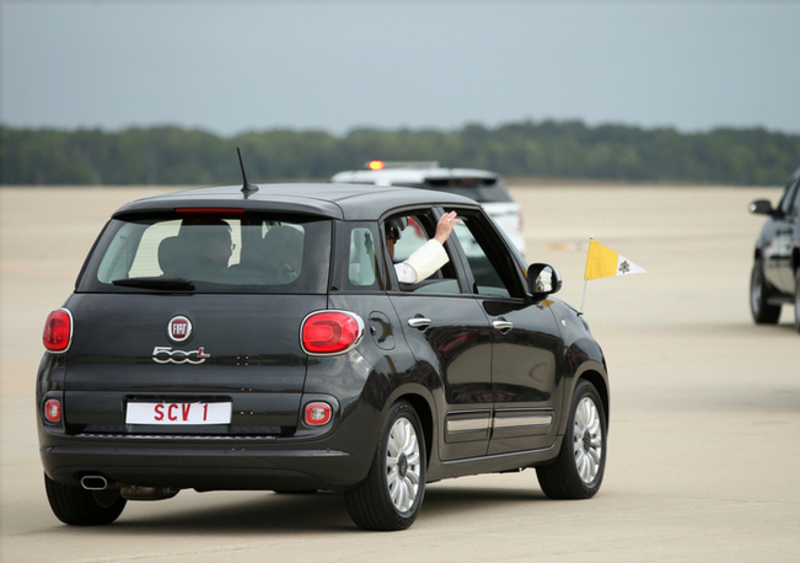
x,y
602,262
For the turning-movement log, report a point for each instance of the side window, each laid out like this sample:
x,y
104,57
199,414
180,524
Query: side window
x,y
404,234
362,268
408,235
491,263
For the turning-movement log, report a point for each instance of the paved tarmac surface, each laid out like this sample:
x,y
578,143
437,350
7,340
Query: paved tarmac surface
x,y
704,443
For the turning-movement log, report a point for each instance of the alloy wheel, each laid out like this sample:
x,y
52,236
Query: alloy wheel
x,y
403,463
587,440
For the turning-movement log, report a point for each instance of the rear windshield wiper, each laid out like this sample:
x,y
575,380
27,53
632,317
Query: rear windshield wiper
x,y
166,284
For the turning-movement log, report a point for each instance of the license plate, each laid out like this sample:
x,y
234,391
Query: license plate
x,y
178,413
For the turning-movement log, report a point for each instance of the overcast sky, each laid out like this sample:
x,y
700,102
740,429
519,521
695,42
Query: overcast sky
x,y
233,66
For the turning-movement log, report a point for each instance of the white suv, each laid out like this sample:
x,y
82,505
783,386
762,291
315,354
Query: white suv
x,y
483,186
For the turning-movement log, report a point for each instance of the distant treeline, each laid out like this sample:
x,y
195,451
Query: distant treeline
x,y
548,149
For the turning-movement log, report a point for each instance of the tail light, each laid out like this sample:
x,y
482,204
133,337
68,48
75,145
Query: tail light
x,y
331,332
318,414
52,410
58,331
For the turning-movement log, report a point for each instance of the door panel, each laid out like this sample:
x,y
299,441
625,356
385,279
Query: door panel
x,y
457,343
448,331
781,232
778,257
524,383
525,341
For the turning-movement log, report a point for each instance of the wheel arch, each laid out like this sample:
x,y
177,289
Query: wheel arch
x,y
600,384
596,378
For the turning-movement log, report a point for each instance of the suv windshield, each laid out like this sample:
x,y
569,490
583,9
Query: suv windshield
x,y
210,253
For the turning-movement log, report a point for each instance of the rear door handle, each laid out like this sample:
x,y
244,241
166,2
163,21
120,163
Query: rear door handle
x,y
419,322
502,325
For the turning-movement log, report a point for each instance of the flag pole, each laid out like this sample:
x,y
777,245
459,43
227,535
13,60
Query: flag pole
x,y
585,281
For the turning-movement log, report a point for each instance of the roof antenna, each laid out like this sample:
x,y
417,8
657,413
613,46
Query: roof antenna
x,y
248,189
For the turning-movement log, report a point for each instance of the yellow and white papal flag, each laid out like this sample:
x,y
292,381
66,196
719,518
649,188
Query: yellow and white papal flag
x,y
602,262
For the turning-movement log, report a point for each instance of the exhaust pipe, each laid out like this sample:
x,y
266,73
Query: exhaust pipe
x,y
94,482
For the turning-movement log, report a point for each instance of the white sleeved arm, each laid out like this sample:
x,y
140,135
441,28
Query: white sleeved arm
x,y
422,263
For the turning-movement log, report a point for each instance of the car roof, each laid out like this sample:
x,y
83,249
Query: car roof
x,y
339,201
411,175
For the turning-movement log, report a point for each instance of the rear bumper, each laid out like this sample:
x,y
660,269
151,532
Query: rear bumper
x,y
206,463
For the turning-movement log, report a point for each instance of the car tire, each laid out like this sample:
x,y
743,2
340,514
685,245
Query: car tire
x,y
79,507
762,311
391,496
578,470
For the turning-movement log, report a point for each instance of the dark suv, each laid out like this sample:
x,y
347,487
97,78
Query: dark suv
x,y
776,266
229,338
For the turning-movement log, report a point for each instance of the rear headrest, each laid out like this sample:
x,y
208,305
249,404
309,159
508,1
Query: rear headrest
x,y
171,256
282,248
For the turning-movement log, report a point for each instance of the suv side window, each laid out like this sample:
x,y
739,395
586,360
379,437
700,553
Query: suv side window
x,y
493,268
790,201
795,205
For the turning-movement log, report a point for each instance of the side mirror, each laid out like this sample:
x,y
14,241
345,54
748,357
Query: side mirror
x,y
761,207
543,280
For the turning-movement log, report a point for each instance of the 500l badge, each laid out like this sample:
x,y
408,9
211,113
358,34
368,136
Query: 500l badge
x,y
166,355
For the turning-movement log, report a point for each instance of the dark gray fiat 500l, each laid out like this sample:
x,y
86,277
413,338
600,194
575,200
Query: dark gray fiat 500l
x,y
222,339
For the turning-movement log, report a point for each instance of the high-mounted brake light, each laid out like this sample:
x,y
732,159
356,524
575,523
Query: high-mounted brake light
x,y
210,211
57,335
376,165
331,332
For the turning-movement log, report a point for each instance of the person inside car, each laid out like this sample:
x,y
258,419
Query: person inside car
x,y
207,248
429,257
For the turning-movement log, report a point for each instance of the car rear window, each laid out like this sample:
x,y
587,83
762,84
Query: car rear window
x,y
211,253
482,190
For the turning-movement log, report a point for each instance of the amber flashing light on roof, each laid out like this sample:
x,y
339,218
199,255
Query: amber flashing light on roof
x,y
382,164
